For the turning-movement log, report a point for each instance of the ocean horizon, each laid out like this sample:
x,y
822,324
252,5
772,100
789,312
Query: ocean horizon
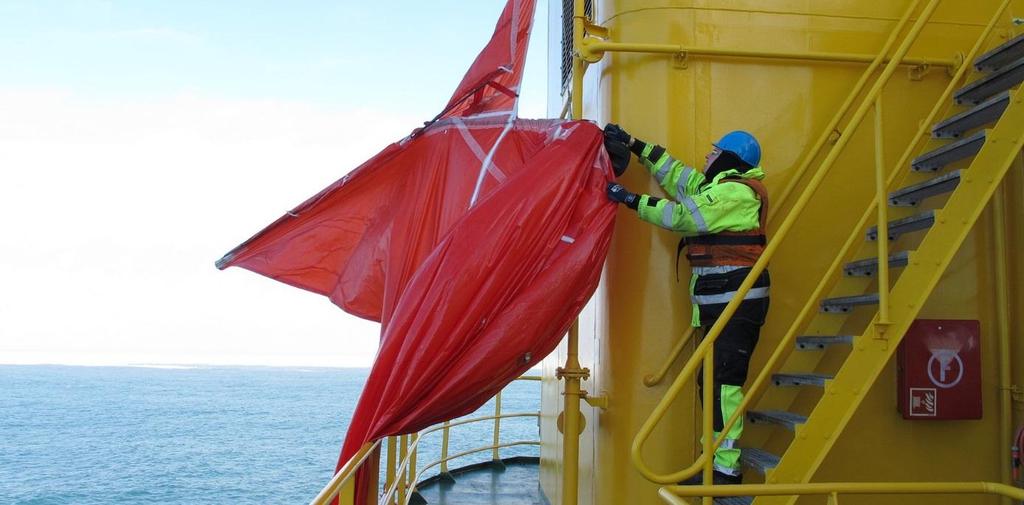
x,y
169,433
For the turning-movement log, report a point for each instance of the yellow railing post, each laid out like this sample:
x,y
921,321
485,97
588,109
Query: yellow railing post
x,y
403,448
497,426
573,373
883,223
390,468
412,464
444,447
708,424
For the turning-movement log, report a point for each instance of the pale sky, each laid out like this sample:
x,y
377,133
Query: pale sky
x,y
141,140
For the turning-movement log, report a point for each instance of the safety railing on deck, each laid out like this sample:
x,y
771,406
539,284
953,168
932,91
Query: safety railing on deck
x,y
703,351
401,474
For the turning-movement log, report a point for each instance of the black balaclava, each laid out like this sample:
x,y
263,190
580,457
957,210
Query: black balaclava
x,y
618,152
725,161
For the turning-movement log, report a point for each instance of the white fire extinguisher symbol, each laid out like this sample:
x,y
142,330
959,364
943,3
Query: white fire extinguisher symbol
x,y
949,366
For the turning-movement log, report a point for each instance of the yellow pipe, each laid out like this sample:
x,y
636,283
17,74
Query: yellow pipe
x,y
342,476
572,373
825,488
390,478
1003,327
883,221
497,426
594,48
655,379
403,448
444,447
759,266
577,60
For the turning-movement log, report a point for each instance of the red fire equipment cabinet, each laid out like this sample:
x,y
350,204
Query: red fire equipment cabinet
x,y
939,370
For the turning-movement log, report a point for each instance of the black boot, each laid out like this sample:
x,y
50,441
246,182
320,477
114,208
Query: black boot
x,y
718,478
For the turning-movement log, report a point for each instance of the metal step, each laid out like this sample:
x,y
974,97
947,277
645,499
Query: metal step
x,y
818,342
869,267
1001,80
898,227
734,500
758,459
800,379
911,195
1008,52
954,151
786,419
847,303
986,112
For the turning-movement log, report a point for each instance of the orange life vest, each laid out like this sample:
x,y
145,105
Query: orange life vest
x,y
729,248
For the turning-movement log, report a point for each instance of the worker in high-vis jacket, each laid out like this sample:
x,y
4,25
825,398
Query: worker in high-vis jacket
x,y
720,212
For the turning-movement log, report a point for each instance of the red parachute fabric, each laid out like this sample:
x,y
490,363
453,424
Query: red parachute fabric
x,y
475,242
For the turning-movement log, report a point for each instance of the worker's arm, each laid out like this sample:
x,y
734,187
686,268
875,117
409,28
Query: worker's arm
x,y
674,177
677,179
724,207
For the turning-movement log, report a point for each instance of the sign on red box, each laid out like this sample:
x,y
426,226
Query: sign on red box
x,y
939,370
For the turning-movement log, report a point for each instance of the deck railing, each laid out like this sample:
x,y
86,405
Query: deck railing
x,y
400,459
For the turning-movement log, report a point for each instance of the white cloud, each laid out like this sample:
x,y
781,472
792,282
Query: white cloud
x,y
114,213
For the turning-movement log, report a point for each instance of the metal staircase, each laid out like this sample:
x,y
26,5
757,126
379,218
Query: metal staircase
x,y
928,240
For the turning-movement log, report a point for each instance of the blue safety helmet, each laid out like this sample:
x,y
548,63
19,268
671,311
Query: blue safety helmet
x,y
743,145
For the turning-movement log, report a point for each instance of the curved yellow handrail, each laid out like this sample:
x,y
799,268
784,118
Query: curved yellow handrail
x,y
702,351
654,379
671,494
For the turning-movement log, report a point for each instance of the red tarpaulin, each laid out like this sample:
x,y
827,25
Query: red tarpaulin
x,y
474,241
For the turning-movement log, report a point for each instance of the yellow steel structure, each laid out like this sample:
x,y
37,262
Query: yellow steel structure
x,y
802,76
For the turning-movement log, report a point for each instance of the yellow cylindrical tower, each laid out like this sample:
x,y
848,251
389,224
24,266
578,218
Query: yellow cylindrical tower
x,y
686,101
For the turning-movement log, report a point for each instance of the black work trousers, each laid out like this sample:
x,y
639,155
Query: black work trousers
x,y
736,343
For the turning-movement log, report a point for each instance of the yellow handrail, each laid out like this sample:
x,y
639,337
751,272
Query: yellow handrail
x,y
702,351
882,206
656,378
805,313
342,476
797,175
671,494
593,49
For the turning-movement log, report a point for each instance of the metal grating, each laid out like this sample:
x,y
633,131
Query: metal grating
x,y
588,9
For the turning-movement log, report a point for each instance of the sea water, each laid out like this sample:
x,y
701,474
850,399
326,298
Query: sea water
x,y
196,435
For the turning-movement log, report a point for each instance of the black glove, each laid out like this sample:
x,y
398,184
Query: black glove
x,y
618,154
618,194
615,132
